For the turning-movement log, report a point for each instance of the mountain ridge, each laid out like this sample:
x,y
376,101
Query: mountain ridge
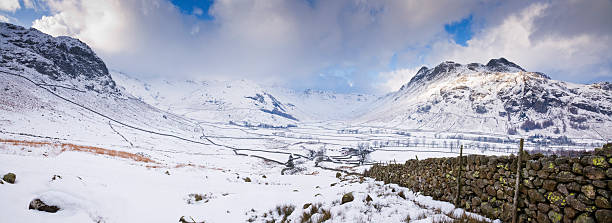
x,y
497,98
500,97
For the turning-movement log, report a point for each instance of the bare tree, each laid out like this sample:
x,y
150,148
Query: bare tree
x,y
363,152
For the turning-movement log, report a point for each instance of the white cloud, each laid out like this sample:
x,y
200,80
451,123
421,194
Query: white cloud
x,y
396,78
283,41
9,5
198,11
28,4
577,57
4,18
267,40
101,24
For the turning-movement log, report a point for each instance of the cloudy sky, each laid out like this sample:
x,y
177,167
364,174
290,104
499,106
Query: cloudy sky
x,y
341,45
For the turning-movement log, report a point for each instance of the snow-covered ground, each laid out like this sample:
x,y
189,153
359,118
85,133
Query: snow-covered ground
x,y
113,158
104,157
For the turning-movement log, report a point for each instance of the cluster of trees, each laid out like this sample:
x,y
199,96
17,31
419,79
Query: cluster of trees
x,y
529,125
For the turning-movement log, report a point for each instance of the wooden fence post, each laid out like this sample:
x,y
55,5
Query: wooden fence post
x,y
518,181
457,201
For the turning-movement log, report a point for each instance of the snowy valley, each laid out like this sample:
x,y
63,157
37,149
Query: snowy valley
x,y
104,146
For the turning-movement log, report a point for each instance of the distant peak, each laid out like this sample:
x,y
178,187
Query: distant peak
x,y
422,70
503,65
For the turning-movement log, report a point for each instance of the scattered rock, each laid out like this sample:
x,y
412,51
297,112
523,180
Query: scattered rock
x,y
183,220
306,205
247,179
368,198
9,178
401,194
338,175
39,205
347,198
56,177
167,173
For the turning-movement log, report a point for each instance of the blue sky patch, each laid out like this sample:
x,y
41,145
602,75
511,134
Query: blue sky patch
x,y
461,30
198,8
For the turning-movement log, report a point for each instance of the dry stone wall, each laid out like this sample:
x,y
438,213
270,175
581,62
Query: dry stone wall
x,y
552,189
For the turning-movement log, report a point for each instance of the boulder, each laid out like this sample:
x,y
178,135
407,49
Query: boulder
x,y
347,198
39,205
9,178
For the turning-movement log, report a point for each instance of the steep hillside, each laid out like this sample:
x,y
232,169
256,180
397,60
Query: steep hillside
x,y
497,98
57,88
62,59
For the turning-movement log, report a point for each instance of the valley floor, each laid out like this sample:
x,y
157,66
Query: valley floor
x,y
112,181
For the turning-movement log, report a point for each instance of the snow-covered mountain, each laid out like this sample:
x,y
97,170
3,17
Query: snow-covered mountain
x,y
497,98
243,101
62,59
57,87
